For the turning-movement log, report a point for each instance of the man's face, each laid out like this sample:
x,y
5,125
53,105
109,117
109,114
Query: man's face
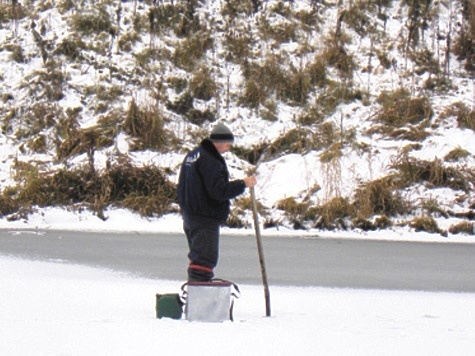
x,y
223,147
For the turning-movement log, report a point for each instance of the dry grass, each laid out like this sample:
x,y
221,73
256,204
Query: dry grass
x,y
191,49
400,110
147,126
292,207
463,227
383,222
379,197
9,12
337,56
202,84
94,21
142,189
364,224
433,173
294,141
457,154
252,154
464,115
332,214
425,223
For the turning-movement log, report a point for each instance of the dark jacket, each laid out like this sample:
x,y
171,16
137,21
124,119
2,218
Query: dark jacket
x,y
204,189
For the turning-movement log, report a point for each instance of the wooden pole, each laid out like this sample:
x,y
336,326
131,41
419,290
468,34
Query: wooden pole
x,y
260,250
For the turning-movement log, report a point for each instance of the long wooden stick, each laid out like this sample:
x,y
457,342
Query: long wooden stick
x,y
260,250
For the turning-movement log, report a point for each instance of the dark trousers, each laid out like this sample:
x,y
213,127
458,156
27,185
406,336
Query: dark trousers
x,y
203,242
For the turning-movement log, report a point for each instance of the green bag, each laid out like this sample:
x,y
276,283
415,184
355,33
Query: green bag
x,y
169,306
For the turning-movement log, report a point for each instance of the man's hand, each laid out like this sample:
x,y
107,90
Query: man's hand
x,y
250,181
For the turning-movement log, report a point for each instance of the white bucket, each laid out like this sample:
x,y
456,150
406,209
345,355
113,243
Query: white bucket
x,y
208,301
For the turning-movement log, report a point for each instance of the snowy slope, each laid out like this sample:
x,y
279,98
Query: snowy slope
x,y
90,83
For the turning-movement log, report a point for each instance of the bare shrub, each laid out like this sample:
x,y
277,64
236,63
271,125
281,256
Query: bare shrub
x,y
294,141
364,224
238,42
425,223
336,93
432,208
463,227
235,8
269,111
254,94
402,117
147,126
317,72
47,83
65,5
38,143
309,20
41,116
464,115
142,189
252,154
182,105
8,204
163,17
149,55
383,222
463,44
93,21
379,197
311,115
298,213
332,153
202,84
290,84
190,49
235,221
198,117
17,54
127,40
410,133
270,223
337,56
332,214
439,84
356,17
434,173
292,207
12,12
399,109
71,47
297,86
456,154
281,32
425,62
261,81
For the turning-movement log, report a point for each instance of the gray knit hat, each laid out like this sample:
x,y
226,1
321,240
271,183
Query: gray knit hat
x,y
221,133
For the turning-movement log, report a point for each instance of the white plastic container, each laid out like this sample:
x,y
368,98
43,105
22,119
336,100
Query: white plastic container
x,y
208,301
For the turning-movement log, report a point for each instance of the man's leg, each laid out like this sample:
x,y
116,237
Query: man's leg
x,y
203,241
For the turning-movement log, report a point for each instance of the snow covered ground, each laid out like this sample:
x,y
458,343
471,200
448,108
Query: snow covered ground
x,y
52,308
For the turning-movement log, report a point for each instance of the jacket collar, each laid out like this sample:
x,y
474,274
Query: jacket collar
x,y
207,145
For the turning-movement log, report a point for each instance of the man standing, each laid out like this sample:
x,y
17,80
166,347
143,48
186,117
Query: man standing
x,y
204,193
